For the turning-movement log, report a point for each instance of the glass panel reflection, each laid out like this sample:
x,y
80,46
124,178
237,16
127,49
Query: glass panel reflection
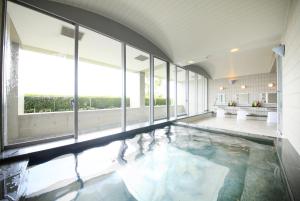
x,y
99,84
39,76
181,92
160,89
137,88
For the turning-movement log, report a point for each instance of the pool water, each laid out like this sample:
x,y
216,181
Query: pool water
x,y
170,164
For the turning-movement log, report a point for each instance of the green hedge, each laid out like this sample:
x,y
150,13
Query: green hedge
x,y
44,103
38,103
87,103
157,101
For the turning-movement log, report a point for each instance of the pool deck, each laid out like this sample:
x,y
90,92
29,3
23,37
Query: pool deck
x,y
256,127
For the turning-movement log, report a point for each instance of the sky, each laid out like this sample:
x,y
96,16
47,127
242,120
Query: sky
x,y
45,74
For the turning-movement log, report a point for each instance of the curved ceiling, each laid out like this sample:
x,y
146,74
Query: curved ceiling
x,y
202,30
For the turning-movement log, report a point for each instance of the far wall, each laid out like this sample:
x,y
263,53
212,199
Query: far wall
x,y
255,85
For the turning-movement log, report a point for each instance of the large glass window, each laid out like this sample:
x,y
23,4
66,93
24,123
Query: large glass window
x,y
160,89
192,93
39,80
99,83
181,92
172,89
137,87
206,94
39,76
202,94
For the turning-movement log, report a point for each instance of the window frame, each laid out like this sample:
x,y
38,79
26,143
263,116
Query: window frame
x,y
4,134
5,146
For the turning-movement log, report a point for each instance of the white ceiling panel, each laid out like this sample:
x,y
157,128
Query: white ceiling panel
x,y
198,29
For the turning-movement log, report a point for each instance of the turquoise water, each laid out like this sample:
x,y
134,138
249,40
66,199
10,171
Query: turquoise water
x,y
173,163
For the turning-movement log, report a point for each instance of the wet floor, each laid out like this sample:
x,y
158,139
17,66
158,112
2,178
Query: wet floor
x,y
170,164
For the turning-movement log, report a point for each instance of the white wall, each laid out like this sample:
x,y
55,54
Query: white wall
x,y
291,78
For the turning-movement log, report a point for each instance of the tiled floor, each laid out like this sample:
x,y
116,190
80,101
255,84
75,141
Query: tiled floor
x,y
258,127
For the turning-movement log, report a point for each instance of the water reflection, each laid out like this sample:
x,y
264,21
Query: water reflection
x,y
168,133
79,180
140,143
51,175
173,163
121,154
152,143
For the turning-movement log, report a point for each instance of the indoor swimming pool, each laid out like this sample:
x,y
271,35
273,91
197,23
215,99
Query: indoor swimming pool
x,y
170,164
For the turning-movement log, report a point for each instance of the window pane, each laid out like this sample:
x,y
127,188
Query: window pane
x,y
181,92
39,76
201,94
192,93
137,87
205,94
160,89
99,83
172,90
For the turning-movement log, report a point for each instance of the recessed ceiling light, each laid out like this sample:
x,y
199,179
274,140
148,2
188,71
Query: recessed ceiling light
x,y
243,86
234,50
191,62
271,85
